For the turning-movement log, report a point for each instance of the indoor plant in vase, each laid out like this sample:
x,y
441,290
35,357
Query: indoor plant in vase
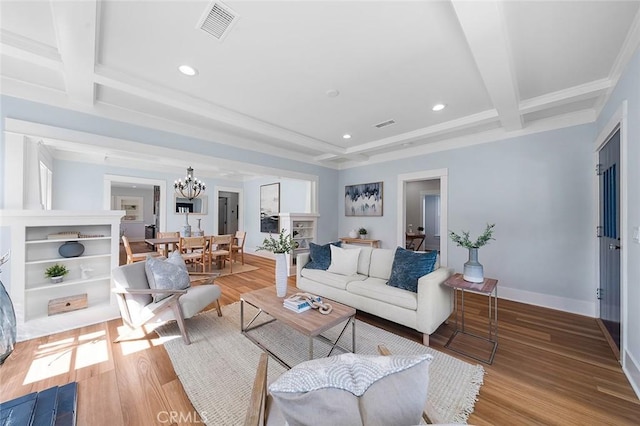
x,y
280,247
363,233
473,271
56,273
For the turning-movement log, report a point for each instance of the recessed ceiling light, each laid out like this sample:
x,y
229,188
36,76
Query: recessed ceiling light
x,y
438,107
187,70
346,136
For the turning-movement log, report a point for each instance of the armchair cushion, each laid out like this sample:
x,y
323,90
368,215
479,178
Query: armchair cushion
x,y
320,255
169,274
354,389
408,266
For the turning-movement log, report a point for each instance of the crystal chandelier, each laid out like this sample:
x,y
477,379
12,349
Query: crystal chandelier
x,y
191,187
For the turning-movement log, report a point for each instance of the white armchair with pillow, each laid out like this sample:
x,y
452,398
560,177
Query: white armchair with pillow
x,y
160,290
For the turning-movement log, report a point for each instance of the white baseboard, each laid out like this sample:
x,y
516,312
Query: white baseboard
x,y
580,307
631,369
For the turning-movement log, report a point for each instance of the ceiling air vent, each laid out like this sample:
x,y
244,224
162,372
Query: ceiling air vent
x,y
385,124
217,20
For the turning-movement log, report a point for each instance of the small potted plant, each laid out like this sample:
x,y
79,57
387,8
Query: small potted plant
x,y
473,270
420,229
363,233
56,273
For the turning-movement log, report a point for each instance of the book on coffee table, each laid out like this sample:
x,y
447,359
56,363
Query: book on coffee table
x,y
303,308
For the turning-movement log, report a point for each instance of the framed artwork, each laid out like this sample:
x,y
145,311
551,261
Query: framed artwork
x,y
269,208
363,200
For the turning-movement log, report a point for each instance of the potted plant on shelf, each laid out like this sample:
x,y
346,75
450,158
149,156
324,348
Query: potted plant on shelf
x,y
473,270
56,273
363,233
280,247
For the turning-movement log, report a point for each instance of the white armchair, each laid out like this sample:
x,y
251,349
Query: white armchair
x,y
137,307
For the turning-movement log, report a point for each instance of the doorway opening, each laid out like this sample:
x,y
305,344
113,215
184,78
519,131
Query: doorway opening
x,y
228,206
414,192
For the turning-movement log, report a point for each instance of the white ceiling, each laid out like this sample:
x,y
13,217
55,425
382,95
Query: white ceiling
x,y
502,68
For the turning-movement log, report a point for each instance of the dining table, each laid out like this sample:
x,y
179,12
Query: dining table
x,y
164,243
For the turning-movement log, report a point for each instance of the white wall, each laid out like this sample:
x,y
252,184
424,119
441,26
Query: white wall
x,y
628,89
539,191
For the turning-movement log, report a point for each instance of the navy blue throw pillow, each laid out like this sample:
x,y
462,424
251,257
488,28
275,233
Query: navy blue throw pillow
x,y
410,265
320,255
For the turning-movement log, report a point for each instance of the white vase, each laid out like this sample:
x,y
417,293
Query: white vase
x,y
353,234
281,274
473,270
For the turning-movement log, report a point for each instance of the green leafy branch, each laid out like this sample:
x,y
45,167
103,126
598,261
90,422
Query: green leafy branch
x,y
464,240
284,243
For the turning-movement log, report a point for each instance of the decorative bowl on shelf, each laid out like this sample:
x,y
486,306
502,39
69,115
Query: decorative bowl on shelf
x,y
71,249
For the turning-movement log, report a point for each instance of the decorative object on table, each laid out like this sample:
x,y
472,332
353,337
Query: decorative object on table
x,y
191,187
353,234
420,229
71,249
363,200
7,319
269,207
198,232
363,233
280,248
473,270
410,228
56,273
186,228
301,302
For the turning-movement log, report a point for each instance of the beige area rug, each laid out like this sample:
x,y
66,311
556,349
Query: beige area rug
x,y
238,268
218,368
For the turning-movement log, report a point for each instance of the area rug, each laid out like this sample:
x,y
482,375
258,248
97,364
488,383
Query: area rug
x,y
218,368
238,268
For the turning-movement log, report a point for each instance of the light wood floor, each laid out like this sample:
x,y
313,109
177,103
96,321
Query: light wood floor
x,y
551,368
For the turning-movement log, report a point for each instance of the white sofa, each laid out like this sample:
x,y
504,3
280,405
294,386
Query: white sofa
x,y
367,291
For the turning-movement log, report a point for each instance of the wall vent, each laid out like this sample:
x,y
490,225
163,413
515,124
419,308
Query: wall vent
x,y
217,20
385,124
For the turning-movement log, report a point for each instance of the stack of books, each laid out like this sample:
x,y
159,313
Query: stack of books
x,y
298,303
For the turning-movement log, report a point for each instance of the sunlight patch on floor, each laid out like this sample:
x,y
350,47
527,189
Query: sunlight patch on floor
x,y
49,363
92,349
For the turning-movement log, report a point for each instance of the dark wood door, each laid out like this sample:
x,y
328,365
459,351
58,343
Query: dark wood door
x,y
609,235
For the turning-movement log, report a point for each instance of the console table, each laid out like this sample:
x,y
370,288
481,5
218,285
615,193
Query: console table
x,y
372,243
488,287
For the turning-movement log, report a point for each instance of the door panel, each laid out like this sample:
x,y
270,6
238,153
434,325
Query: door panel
x,y
609,189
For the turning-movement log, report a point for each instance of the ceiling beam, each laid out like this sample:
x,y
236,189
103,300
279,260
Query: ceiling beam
x,y
75,26
484,27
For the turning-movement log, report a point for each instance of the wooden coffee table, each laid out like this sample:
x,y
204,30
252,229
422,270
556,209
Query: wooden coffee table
x,y
310,323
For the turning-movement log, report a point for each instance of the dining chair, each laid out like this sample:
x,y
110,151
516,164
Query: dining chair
x,y
194,250
159,247
221,250
238,245
135,257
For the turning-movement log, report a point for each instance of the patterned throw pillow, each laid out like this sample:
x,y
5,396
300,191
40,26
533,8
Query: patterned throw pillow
x,y
354,389
169,274
320,256
408,266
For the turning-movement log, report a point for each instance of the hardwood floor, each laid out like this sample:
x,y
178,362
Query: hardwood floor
x,y
550,368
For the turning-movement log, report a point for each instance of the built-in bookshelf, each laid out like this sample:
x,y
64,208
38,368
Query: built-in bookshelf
x,y
36,238
303,227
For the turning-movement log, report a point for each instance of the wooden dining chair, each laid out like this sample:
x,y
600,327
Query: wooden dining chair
x,y
194,250
136,257
159,248
237,247
221,250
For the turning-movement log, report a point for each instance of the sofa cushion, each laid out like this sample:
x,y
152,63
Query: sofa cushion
x,y
330,279
377,289
410,265
344,262
352,389
169,274
364,259
381,261
320,255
